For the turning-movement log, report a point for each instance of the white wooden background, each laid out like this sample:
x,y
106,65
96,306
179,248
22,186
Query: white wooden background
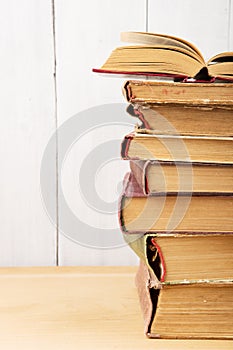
x,y
37,96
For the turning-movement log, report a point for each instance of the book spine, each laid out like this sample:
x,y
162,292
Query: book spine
x,y
130,189
143,282
125,146
138,168
134,110
121,202
127,91
162,260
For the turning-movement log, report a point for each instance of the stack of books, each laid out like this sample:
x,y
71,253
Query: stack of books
x,y
176,211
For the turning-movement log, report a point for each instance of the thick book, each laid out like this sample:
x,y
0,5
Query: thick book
x,y
206,149
188,258
174,212
160,54
185,311
177,119
179,94
160,177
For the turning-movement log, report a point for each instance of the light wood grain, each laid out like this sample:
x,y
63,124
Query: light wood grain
x,y
77,308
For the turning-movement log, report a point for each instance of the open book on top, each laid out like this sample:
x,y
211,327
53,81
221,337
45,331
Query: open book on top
x,y
165,55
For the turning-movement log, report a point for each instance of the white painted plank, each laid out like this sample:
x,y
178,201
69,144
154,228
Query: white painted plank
x,y
86,33
230,26
27,237
204,23
72,254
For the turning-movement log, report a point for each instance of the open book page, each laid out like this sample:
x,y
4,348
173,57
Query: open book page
x,y
160,39
222,57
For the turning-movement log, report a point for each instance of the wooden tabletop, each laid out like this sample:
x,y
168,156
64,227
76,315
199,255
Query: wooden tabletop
x,y
68,308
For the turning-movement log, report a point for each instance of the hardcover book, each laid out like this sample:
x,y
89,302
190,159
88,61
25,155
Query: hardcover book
x,y
203,149
171,256
179,94
160,54
174,212
185,310
160,177
177,119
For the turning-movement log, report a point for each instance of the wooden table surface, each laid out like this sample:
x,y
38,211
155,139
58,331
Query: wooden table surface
x,y
77,308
